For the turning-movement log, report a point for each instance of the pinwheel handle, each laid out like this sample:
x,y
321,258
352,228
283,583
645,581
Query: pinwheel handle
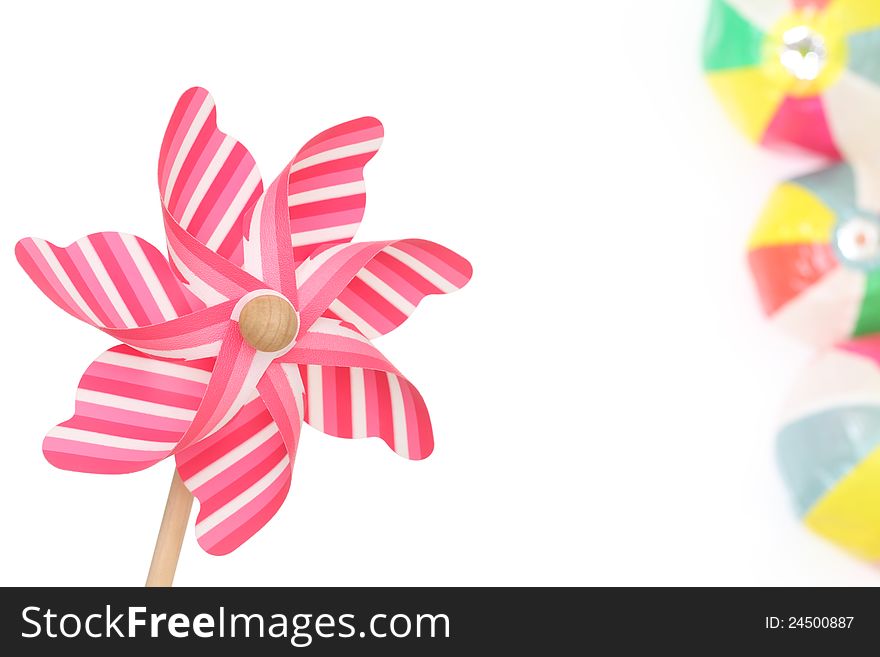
x,y
171,531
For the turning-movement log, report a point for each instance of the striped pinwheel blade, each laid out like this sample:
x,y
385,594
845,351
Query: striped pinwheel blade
x,y
240,475
353,402
316,202
352,391
326,192
207,179
131,409
109,280
375,286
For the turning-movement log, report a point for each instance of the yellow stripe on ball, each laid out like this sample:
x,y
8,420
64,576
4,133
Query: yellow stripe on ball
x,y
849,514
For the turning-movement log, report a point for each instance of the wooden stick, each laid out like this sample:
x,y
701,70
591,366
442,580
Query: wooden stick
x,y
171,531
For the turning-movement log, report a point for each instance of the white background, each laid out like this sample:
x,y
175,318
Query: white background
x,y
603,392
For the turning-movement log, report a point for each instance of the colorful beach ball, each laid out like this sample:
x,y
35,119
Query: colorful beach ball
x,y
815,258
797,72
829,446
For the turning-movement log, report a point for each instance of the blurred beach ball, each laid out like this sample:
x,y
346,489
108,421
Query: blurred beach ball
x,y
829,446
815,258
797,72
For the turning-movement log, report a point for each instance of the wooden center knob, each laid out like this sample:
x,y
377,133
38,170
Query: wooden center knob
x,y
268,323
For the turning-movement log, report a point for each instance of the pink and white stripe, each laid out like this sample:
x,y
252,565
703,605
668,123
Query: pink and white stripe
x,y
317,201
281,389
233,384
123,285
325,185
352,402
332,342
268,254
240,475
375,286
207,179
209,276
241,472
352,391
193,336
131,409
108,280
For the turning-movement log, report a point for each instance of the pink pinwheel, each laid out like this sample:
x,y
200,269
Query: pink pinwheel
x,y
261,318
